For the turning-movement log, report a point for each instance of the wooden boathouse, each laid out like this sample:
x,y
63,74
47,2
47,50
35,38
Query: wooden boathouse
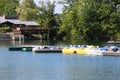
x,y
19,30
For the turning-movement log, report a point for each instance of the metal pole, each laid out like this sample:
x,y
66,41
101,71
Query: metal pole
x,y
48,36
19,39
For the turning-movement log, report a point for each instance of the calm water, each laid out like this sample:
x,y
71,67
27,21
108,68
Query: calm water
x,y
30,66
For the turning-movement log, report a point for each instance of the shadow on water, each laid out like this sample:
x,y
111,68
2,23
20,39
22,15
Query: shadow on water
x,y
51,42
5,43
79,42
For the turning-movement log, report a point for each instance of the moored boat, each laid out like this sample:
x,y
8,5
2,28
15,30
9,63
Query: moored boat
x,y
47,49
112,51
85,50
113,42
77,49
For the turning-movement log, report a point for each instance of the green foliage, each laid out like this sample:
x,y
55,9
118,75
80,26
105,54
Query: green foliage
x,y
91,19
109,19
47,18
46,14
8,7
70,21
27,10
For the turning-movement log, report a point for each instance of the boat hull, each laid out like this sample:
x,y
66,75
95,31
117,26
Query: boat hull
x,y
48,51
111,53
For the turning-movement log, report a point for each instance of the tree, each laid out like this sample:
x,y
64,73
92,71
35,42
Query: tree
x,y
8,7
109,16
27,10
70,27
46,17
46,14
91,19
100,19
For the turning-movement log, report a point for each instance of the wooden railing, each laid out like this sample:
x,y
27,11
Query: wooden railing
x,y
30,30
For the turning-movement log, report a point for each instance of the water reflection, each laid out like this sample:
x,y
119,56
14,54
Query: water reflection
x,y
5,43
50,42
29,42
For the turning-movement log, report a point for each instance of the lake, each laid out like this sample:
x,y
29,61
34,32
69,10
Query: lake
x,y
18,65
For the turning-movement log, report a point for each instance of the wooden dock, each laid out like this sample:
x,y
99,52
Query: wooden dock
x,y
30,47
52,49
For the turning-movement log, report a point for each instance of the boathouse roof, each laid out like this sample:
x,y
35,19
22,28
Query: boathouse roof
x,y
27,23
16,21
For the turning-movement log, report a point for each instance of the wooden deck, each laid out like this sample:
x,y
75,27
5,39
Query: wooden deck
x,y
32,31
29,33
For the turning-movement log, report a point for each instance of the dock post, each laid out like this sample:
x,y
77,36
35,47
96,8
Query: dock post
x,y
48,35
41,36
19,39
23,39
13,36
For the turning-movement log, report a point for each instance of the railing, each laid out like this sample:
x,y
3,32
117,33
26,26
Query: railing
x,y
31,30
